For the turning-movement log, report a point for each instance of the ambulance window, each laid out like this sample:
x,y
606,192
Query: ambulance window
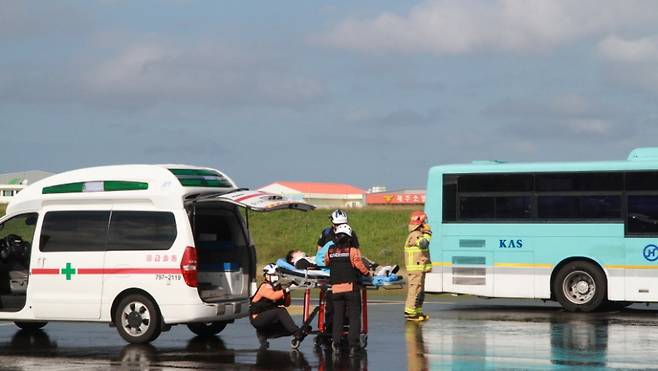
x,y
74,231
21,226
141,230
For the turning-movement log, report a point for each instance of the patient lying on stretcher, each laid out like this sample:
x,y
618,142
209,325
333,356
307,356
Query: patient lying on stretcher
x,y
299,260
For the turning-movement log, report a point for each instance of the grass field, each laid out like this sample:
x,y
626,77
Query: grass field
x,y
381,232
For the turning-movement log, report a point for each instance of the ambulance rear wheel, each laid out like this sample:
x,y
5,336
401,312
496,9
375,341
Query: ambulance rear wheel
x,y
137,319
207,328
30,326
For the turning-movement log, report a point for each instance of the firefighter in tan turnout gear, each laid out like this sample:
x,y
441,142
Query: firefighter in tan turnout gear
x,y
417,261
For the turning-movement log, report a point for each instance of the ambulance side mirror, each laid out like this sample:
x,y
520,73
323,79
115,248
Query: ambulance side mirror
x,y
31,220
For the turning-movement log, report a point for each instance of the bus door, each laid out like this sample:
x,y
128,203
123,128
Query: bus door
x,y
641,269
66,277
468,266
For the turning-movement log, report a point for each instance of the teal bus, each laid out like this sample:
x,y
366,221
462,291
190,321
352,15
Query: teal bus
x,y
582,233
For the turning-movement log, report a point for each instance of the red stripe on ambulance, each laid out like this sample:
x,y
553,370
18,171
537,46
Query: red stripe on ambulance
x,y
249,196
45,271
111,271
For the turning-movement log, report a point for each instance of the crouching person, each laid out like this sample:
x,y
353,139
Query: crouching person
x,y
344,261
267,310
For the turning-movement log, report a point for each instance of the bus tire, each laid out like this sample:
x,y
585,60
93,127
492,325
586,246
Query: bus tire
x,y
137,319
30,326
580,286
207,328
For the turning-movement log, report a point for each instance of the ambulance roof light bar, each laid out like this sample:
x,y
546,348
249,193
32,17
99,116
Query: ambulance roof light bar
x,y
96,186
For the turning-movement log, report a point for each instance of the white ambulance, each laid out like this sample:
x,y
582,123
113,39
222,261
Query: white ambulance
x,y
141,247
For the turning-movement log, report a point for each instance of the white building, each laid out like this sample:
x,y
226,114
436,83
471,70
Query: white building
x,y
12,183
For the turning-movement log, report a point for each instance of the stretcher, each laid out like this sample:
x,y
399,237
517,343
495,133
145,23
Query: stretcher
x,y
319,278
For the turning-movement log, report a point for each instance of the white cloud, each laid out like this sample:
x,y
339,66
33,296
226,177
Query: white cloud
x,y
566,117
640,50
156,71
565,106
150,71
632,62
589,126
571,105
463,26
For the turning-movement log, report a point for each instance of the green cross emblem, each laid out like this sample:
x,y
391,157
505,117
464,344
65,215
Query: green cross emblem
x,y
68,271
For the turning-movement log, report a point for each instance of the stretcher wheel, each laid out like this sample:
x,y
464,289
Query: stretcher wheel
x,y
364,340
295,343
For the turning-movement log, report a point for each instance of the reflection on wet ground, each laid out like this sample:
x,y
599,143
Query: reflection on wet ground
x,y
494,337
462,334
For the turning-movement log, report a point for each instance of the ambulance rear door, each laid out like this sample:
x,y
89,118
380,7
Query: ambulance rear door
x,y
226,254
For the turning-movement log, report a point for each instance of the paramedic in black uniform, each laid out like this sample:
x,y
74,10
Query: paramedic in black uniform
x,y
345,264
337,217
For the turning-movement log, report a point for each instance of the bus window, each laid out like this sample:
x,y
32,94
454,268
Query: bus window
x,y
496,183
515,207
642,181
642,215
579,207
477,208
600,207
568,182
449,199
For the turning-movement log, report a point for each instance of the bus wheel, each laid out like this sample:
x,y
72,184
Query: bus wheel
x,y
137,319
580,286
30,326
207,328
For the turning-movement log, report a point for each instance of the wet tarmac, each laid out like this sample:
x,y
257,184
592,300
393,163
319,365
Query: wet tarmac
x,y
463,333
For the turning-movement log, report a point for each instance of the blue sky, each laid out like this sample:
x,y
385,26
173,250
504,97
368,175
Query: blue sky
x,y
368,93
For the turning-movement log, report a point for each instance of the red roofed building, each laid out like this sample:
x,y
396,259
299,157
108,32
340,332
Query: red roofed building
x,y
319,194
401,197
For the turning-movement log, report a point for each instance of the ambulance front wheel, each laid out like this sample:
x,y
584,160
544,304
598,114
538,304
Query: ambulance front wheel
x,y
30,326
207,328
137,319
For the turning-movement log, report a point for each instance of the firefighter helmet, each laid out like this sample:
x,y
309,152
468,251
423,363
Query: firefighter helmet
x,y
417,219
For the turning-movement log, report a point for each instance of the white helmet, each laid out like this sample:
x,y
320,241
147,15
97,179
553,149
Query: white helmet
x,y
270,269
344,229
270,273
338,216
